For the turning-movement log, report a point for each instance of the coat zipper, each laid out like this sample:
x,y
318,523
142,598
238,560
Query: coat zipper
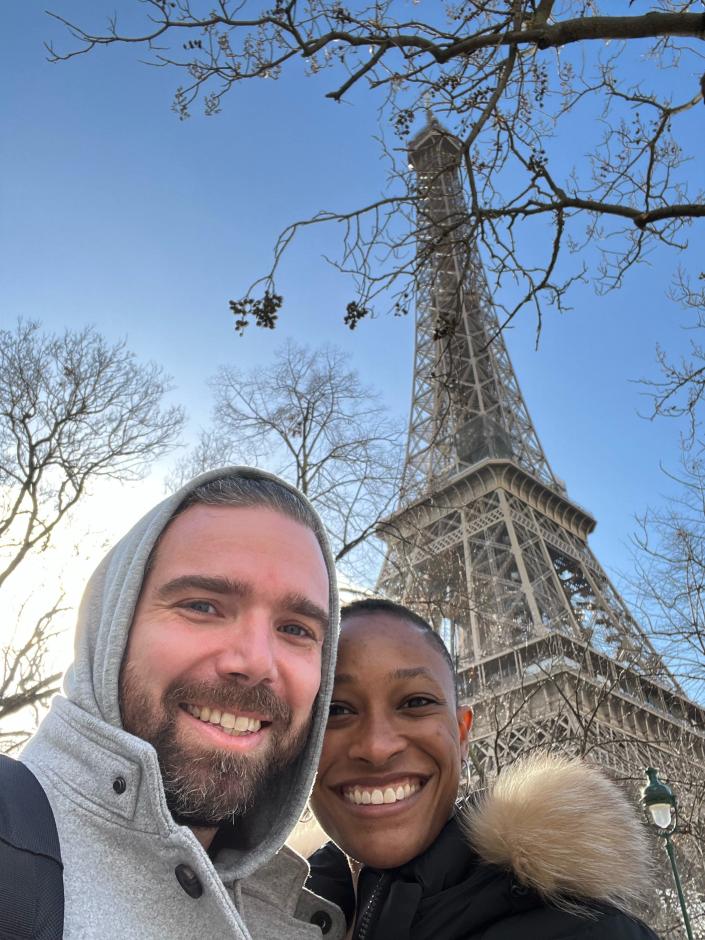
x,y
364,923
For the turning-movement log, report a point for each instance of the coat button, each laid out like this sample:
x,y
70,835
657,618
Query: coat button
x,y
519,890
323,920
188,880
119,785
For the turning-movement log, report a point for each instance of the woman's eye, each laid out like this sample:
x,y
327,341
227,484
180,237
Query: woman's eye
x,y
337,709
419,701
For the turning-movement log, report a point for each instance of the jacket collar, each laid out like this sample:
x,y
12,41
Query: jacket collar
x,y
113,775
564,830
108,771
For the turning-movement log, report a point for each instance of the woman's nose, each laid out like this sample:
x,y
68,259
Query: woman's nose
x,y
377,740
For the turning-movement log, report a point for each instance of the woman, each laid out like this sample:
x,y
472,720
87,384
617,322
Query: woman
x,y
553,852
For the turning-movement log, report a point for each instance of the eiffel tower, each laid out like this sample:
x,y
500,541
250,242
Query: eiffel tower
x,y
487,544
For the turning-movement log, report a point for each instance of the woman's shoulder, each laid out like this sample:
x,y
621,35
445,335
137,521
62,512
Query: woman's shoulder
x,y
580,923
563,829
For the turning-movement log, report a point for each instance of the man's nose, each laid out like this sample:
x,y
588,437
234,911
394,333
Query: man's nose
x,y
377,740
248,651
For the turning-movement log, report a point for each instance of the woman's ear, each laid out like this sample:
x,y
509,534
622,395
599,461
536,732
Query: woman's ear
x,y
464,715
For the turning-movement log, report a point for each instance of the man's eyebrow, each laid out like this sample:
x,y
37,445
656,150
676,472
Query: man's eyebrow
x,y
199,582
215,584
305,607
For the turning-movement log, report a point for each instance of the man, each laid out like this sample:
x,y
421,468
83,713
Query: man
x,y
185,747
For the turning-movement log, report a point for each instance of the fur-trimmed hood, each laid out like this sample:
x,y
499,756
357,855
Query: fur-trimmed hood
x,y
563,829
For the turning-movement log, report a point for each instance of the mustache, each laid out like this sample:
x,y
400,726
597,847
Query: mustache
x,y
232,696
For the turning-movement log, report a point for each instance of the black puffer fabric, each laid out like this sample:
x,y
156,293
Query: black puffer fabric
x,y
31,873
448,893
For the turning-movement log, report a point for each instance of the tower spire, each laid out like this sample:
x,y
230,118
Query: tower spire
x,y
485,537
466,405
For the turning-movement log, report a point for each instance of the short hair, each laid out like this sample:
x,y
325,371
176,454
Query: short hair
x,y
380,605
245,491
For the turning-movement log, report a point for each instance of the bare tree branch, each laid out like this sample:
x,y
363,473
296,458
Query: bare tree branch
x,y
73,409
309,418
514,81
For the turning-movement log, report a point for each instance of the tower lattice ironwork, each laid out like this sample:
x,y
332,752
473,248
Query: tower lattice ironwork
x,y
486,542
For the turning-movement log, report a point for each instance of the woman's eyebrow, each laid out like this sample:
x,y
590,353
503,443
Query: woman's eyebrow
x,y
344,678
413,672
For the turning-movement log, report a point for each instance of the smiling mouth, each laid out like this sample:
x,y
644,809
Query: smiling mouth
x,y
392,792
229,722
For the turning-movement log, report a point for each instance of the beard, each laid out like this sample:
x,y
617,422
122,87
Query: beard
x,y
205,786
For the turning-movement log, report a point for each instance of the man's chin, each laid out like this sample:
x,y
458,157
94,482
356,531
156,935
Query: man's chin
x,y
197,820
206,787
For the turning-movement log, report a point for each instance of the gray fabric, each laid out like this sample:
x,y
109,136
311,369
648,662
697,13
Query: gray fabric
x,y
120,850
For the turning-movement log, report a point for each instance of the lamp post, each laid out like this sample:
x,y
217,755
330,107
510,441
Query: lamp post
x,y
660,802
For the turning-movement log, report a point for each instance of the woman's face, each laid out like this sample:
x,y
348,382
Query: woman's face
x,y
389,770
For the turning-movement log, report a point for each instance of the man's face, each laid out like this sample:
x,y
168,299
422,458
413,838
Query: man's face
x,y
223,661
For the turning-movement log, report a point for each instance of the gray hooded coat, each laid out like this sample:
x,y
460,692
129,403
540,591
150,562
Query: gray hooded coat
x,y
123,854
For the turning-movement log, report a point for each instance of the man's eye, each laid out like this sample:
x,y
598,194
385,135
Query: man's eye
x,y
200,607
295,629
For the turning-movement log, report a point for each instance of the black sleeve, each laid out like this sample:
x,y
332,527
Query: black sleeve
x,y
31,904
31,873
330,878
614,925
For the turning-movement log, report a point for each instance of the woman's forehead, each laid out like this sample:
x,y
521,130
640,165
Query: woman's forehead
x,y
377,642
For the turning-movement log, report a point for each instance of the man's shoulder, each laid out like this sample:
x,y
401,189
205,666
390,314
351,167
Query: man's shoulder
x,y
276,903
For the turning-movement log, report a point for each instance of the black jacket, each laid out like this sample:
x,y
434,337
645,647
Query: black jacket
x,y
31,873
561,878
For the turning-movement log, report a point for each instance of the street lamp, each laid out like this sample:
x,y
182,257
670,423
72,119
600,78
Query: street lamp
x,y
660,802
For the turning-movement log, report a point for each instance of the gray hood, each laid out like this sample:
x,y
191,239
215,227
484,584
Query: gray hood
x,y
92,681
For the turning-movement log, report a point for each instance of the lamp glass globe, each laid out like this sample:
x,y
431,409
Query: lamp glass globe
x,y
661,814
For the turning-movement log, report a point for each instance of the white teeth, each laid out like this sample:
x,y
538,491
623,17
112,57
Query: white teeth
x,y
377,796
233,724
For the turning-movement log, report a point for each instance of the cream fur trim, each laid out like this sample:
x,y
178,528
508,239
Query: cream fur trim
x,y
564,829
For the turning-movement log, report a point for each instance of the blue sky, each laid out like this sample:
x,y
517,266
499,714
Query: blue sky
x,y
116,213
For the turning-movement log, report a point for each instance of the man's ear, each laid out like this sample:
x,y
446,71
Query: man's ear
x,y
464,716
